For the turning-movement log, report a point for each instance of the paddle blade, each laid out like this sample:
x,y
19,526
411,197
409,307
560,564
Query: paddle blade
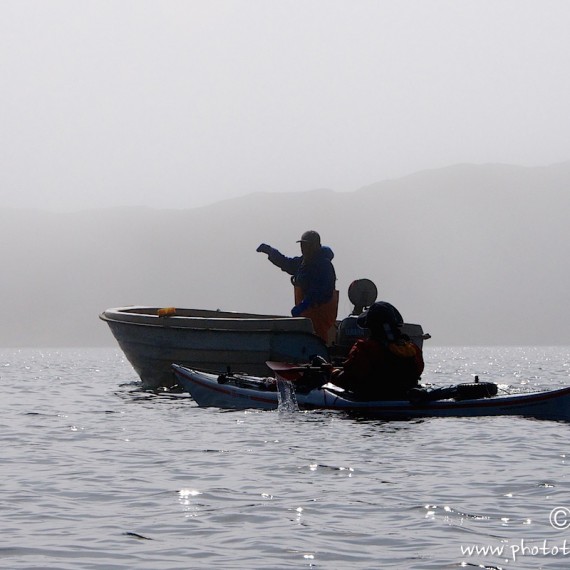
x,y
281,366
291,372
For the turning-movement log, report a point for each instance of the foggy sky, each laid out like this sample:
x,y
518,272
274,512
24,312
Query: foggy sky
x,y
178,104
475,254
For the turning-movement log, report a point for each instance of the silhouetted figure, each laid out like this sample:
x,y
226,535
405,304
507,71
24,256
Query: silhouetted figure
x,y
314,278
384,366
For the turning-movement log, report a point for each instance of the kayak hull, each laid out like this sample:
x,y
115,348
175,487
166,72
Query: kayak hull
x,y
207,391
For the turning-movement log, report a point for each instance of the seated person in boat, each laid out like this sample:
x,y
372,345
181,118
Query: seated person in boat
x,y
384,366
314,278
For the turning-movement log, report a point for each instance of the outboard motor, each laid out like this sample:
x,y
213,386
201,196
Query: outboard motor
x,y
362,293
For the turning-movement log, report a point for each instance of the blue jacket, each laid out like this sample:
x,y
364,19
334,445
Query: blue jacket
x,y
316,278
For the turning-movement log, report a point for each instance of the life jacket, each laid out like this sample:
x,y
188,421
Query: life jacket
x,y
403,363
376,370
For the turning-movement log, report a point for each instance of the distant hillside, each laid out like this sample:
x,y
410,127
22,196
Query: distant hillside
x,y
476,254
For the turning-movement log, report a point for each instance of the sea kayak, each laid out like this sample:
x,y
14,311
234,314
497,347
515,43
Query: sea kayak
x,y
231,391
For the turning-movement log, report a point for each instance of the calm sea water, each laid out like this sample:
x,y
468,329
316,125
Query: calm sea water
x,y
97,474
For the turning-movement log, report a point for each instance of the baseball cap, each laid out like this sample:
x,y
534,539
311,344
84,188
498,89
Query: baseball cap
x,y
310,236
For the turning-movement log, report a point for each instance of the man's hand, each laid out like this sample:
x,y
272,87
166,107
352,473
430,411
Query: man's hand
x,y
264,248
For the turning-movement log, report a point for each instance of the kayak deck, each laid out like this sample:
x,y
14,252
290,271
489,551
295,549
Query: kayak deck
x,y
252,392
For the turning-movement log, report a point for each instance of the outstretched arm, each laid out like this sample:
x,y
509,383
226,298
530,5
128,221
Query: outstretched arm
x,y
288,264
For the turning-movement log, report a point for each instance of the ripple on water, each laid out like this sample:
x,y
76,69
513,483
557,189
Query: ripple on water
x,y
100,475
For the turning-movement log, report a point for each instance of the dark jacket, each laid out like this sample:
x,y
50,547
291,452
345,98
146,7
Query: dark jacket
x,y
316,278
378,370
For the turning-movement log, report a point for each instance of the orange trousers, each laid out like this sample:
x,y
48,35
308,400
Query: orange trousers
x,y
323,316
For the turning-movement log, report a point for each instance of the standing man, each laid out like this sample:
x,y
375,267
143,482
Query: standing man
x,y
313,277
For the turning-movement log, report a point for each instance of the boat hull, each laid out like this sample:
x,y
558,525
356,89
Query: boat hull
x,y
208,392
208,340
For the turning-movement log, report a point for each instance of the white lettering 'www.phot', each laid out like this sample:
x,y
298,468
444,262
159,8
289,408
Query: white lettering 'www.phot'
x,y
518,550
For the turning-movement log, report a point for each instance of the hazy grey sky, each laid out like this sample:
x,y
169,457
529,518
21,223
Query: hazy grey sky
x,y
178,104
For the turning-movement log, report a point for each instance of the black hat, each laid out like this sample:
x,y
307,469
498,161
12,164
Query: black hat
x,y
310,236
379,314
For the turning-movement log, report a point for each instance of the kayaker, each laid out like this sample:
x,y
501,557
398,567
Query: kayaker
x,y
384,366
314,278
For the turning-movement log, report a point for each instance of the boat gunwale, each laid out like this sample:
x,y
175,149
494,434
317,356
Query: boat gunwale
x,y
229,322
252,331
267,323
